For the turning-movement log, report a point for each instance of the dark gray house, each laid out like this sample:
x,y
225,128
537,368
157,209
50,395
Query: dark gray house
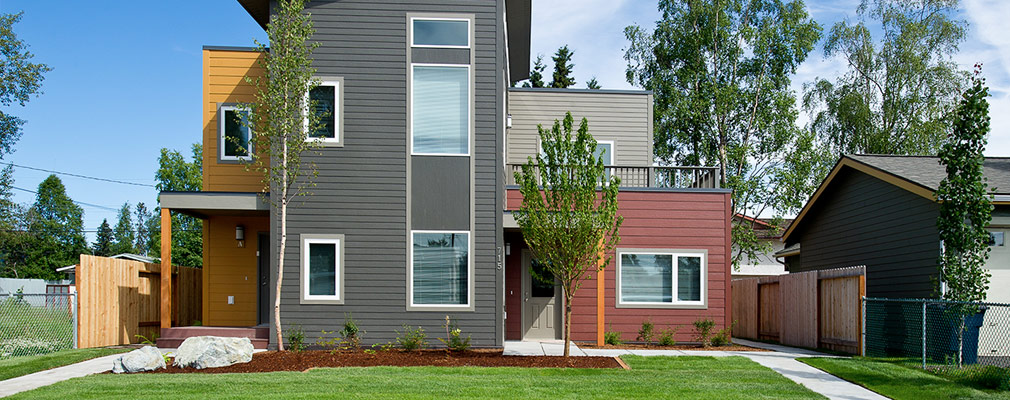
x,y
879,211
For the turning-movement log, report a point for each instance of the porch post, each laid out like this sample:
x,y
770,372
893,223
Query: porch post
x,y
166,268
600,283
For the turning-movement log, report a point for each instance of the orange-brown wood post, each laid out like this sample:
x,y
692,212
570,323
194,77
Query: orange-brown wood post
x,y
166,268
600,280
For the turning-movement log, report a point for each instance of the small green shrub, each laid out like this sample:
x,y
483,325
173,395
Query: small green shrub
x,y
454,336
153,341
645,332
703,331
296,338
666,336
411,338
351,333
612,338
724,337
330,341
197,322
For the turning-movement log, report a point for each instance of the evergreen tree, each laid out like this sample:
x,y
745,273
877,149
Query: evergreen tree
x,y
563,68
593,84
103,241
124,237
142,215
58,229
537,73
15,239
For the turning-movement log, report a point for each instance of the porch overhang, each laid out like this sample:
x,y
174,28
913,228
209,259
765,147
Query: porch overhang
x,y
207,204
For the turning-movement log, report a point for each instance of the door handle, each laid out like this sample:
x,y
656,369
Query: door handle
x,y
526,295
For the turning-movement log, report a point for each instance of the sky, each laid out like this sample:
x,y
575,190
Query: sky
x,y
126,78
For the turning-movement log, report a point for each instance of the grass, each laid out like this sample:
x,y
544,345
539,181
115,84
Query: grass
x,y
650,377
18,366
900,382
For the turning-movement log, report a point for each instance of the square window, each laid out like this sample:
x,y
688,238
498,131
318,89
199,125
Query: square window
x,y
324,103
440,32
234,133
321,268
440,269
660,279
996,238
440,110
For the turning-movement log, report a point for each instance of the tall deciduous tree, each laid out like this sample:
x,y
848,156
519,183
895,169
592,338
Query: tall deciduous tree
x,y
20,79
176,174
569,211
103,240
563,68
123,233
58,229
537,73
280,115
720,74
898,88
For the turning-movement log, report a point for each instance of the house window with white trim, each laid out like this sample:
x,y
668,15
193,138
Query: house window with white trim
x,y
321,271
234,134
440,269
661,278
324,102
440,109
440,32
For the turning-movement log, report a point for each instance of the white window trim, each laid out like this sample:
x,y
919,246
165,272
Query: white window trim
x,y
613,149
221,110
338,296
469,95
469,34
469,276
338,131
701,304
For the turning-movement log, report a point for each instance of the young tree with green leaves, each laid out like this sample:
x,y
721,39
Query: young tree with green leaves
x,y
563,68
569,211
176,174
20,79
123,233
720,74
280,115
898,88
592,84
58,229
103,240
536,73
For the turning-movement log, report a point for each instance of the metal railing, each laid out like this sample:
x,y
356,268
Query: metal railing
x,y
650,176
32,324
956,338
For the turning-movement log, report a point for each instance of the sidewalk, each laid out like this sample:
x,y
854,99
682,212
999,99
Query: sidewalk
x,y
780,359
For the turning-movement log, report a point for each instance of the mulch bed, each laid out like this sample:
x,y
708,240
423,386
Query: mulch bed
x,y
271,361
639,346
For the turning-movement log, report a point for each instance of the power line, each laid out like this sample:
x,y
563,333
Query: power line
x,y
81,176
75,201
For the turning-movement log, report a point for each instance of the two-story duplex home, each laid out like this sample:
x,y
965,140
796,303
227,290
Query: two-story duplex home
x,y
410,219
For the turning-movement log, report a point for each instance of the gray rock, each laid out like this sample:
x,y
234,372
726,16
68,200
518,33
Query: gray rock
x,y
146,358
213,351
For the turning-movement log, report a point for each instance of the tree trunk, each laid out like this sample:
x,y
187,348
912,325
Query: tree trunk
x,y
284,242
568,323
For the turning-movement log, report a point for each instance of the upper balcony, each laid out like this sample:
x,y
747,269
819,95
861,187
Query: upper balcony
x,y
651,176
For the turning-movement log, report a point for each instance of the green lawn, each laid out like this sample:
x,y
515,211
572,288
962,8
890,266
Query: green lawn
x,y
900,382
17,366
651,377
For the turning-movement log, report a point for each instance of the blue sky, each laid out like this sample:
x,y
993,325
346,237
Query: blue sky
x,y
126,77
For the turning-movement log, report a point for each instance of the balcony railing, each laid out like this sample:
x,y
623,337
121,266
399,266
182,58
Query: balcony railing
x,y
651,176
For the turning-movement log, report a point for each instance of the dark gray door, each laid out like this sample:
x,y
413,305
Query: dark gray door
x,y
541,306
263,278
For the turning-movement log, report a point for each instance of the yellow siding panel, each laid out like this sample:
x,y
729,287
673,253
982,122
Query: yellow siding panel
x,y
224,73
231,270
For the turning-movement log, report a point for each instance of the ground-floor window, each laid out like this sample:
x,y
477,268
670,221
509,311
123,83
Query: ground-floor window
x,y
440,268
660,278
322,269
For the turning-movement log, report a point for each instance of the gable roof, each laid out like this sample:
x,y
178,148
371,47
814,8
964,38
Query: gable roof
x,y
920,175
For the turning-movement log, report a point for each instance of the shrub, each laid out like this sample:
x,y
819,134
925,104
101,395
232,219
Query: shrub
x,y
454,337
645,333
724,337
703,331
411,338
351,333
666,336
612,338
296,338
329,341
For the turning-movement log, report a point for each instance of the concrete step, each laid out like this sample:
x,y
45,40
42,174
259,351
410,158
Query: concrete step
x,y
173,337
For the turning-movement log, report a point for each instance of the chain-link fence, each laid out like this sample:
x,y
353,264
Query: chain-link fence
x,y
970,340
33,324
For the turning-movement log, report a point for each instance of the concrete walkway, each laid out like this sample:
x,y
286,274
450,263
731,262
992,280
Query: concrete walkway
x,y
780,359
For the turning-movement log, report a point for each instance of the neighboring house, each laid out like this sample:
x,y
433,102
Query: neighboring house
x,y
410,218
765,264
879,211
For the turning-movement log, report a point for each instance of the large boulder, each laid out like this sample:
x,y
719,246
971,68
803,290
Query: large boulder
x,y
213,351
146,358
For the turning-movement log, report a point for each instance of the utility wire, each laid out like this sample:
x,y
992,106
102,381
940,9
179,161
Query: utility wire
x,y
75,201
81,176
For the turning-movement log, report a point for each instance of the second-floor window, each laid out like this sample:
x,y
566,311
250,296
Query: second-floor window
x,y
234,133
324,102
440,32
440,109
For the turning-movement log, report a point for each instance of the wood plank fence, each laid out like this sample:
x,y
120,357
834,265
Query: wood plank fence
x,y
119,299
816,309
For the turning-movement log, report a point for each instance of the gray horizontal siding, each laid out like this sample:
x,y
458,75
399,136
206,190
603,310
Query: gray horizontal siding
x,y
861,220
361,189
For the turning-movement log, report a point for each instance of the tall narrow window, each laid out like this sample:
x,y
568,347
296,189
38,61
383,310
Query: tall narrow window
x,y
660,278
321,268
234,133
324,103
440,32
440,269
440,110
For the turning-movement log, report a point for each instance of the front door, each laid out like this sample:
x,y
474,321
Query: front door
x,y
541,307
263,278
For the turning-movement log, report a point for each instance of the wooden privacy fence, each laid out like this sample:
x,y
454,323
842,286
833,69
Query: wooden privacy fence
x,y
119,299
816,309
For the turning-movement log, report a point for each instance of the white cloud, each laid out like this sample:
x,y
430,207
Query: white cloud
x,y
988,43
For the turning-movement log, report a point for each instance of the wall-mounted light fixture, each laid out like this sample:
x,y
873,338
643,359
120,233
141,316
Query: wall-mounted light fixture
x,y
508,249
240,235
508,121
